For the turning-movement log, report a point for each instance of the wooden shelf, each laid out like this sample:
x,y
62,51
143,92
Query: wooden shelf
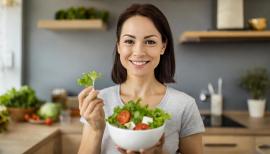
x,y
228,36
95,24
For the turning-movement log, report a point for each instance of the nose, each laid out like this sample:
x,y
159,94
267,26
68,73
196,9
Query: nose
x,y
138,49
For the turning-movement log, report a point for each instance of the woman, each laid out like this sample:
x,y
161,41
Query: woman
x,y
144,63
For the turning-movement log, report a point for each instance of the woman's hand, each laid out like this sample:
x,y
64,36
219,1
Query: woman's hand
x,y
156,149
91,108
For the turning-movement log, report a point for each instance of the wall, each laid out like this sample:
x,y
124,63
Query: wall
x,y
55,59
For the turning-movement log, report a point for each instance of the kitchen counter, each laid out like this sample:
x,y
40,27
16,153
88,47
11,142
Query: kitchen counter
x,y
254,126
26,138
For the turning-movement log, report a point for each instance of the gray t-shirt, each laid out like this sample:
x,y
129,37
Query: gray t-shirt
x,y
185,121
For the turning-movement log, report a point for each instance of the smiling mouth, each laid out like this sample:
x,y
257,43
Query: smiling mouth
x,y
139,63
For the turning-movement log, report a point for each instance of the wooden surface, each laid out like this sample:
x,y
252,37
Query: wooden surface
x,y
71,143
228,144
27,138
96,24
251,123
210,36
263,144
254,126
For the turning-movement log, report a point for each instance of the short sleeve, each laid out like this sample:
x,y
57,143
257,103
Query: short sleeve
x,y
191,121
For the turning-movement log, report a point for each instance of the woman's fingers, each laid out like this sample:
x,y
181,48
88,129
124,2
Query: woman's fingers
x,y
162,139
130,152
156,147
124,151
92,95
84,93
91,107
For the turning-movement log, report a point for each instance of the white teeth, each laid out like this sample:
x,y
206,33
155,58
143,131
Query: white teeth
x,y
139,62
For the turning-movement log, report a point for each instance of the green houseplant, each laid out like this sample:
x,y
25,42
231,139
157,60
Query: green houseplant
x,y
256,82
20,101
82,13
4,118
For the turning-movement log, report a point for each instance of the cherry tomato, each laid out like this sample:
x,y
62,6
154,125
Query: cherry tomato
x,y
48,121
141,126
35,117
26,117
123,117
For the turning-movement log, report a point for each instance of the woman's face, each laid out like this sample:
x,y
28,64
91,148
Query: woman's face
x,y
140,46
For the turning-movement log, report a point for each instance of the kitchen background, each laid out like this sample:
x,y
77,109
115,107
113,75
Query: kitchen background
x,y
55,59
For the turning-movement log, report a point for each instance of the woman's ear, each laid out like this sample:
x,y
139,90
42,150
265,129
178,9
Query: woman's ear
x,y
164,45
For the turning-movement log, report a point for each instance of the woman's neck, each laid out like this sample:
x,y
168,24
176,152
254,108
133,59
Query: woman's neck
x,y
141,86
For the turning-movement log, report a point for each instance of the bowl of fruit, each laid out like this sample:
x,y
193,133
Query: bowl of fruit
x,y
134,126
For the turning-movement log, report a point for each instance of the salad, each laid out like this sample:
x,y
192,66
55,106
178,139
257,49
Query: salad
x,y
134,116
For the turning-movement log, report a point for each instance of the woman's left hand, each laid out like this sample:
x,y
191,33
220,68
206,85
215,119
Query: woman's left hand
x,y
156,149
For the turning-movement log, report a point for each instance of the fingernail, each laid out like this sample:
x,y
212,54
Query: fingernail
x,y
92,90
141,150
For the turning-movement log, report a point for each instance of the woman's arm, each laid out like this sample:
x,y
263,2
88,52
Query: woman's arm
x,y
91,141
191,144
91,108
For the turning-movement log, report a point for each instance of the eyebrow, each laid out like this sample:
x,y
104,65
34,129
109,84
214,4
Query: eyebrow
x,y
144,37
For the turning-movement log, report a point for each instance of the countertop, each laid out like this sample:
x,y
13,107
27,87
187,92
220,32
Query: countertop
x,y
24,137
254,126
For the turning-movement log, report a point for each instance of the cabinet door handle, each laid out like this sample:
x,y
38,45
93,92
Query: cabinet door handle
x,y
228,145
264,146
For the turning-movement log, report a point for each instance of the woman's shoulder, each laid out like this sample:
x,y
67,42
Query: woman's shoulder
x,y
177,94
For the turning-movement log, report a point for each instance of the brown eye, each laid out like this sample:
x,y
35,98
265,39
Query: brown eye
x,y
129,41
150,42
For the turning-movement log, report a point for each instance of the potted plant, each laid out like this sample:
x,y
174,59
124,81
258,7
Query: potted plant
x,y
256,82
20,102
4,118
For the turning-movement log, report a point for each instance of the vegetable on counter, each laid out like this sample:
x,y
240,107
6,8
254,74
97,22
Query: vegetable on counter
x,y
25,97
36,119
49,110
4,118
135,116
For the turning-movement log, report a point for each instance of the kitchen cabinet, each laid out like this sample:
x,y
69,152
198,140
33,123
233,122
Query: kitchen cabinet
x,y
93,24
70,143
229,36
213,144
262,144
29,138
50,146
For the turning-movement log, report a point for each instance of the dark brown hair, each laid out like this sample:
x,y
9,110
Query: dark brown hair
x,y
165,70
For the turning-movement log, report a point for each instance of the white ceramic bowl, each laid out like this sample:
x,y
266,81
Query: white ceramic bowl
x,y
135,140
